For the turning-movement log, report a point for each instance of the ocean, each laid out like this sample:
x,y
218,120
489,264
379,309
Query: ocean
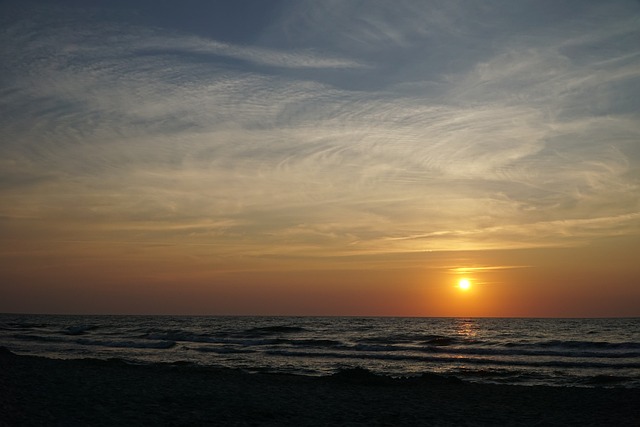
x,y
555,352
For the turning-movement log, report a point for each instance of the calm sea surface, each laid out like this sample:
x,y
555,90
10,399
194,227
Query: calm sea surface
x,y
561,352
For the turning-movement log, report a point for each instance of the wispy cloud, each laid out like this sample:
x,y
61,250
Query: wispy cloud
x,y
466,270
414,127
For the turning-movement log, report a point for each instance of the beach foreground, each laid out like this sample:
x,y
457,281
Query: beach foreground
x,y
39,391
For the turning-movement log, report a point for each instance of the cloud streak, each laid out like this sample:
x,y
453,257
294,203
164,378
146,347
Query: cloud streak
x,y
340,131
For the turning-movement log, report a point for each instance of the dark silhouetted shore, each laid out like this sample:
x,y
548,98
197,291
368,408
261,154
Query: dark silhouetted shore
x,y
39,391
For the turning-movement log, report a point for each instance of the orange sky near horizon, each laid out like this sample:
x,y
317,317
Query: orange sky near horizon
x,y
584,281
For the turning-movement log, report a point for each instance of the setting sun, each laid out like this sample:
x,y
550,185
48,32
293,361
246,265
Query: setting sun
x,y
464,284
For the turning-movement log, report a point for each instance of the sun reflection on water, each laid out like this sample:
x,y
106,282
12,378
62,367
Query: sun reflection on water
x,y
466,328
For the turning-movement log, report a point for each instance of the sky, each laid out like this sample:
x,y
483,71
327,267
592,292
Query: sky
x,y
333,157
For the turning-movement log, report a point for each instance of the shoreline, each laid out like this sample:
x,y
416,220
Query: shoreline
x,y
40,391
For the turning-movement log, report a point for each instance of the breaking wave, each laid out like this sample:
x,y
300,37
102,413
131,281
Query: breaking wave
x,y
584,352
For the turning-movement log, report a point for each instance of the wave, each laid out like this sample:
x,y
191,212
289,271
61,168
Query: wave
x,y
494,351
447,341
510,376
257,340
209,339
40,338
440,341
627,345
502,351
456,360
79,329
359,375
362,375
92,342
223,350
181,336
424,339
441,348
534,352
128,344
377,347
271,330
314,342
23,325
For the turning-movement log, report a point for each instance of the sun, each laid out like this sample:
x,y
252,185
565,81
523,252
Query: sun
x,y
464,284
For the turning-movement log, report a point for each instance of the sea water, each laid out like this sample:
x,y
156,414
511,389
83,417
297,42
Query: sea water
x,y
557,352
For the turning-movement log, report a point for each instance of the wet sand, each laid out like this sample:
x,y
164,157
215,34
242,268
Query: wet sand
x,y
39,391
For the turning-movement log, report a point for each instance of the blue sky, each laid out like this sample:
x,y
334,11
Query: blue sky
x,y
319,128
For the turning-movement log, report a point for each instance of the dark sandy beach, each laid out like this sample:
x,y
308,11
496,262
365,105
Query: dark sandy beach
x,y
38,391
